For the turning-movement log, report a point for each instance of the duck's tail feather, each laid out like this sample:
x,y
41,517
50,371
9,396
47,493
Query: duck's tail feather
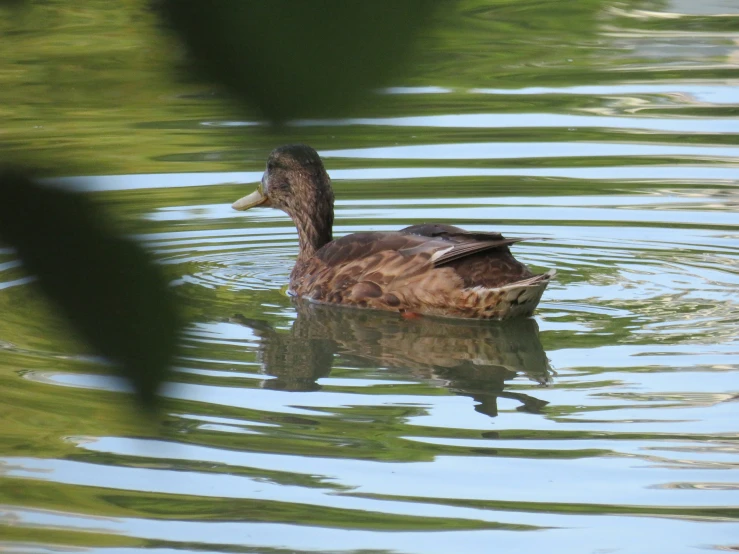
x,y
512,300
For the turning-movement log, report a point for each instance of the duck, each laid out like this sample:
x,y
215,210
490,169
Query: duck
x,y
429,269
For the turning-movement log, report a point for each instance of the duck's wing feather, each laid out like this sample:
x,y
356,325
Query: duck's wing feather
x,y
464,243
358,246
362,266
464,249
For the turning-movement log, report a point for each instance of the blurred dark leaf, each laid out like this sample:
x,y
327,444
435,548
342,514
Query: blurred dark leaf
x,y
104,284
296,58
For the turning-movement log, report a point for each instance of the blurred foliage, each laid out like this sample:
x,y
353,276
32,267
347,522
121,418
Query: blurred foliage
x,y
299,59
105,285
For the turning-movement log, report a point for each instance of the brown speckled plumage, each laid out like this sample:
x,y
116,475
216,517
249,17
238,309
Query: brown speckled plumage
x,y
429,269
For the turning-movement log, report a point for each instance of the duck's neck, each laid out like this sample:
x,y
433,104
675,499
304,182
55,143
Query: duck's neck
x,y
314,230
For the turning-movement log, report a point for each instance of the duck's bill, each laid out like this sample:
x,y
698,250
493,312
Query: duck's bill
x,y
256,198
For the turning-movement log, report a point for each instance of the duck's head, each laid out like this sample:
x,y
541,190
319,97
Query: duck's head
x,y
296,182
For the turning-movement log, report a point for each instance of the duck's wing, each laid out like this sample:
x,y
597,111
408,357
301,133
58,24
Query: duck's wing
x,y
459,243
365,245
360,268
464,249
439,250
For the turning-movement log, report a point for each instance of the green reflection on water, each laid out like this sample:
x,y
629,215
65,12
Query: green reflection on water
x,y
92,92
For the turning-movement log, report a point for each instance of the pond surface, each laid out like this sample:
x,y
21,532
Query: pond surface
x,y
606,423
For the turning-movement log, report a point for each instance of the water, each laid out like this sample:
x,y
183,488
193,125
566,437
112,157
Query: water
x,y
605,424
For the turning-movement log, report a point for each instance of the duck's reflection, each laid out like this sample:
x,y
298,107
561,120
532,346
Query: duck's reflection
x,y
470,358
